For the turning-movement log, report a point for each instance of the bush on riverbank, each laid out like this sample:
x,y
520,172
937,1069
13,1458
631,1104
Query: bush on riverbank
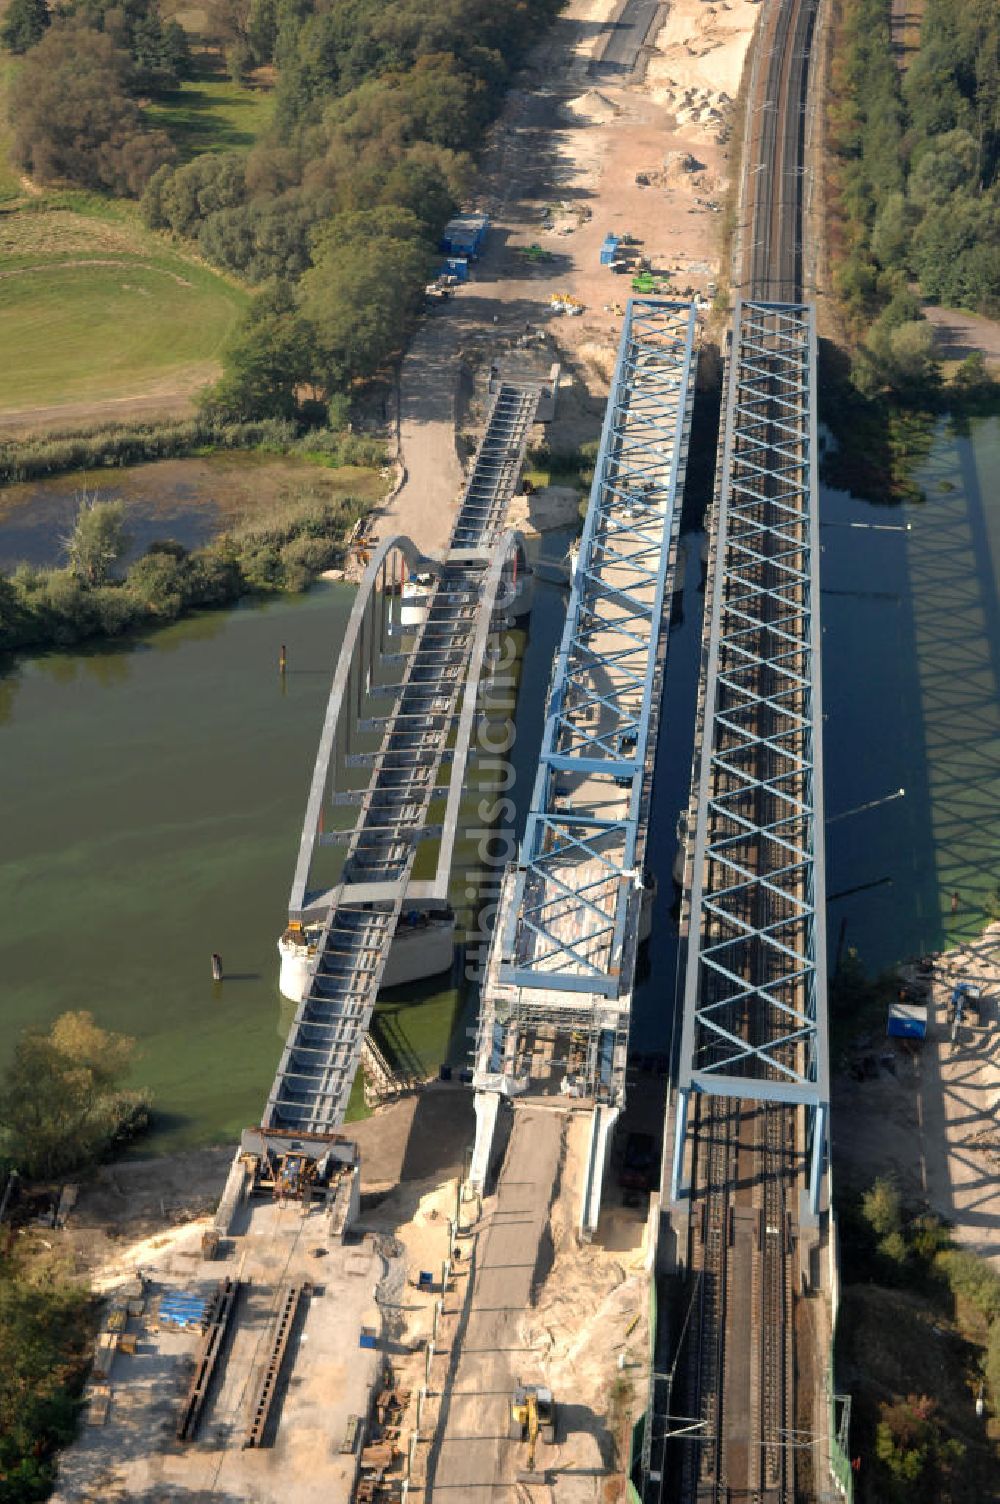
x,y
47,1327
62,1104
919,1329
283,550
140,443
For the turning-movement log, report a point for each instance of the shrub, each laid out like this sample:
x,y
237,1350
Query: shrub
x,y
304,558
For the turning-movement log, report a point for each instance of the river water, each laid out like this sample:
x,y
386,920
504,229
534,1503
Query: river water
x,y
153,794
911,668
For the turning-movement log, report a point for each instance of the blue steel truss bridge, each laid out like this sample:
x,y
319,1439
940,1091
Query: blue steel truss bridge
x,y
750,1092
557,994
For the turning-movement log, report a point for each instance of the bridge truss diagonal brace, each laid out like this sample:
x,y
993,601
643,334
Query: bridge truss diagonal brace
x,y
574,916
754,989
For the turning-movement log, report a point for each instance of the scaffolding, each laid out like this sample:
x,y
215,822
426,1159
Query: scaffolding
x,y
754,1006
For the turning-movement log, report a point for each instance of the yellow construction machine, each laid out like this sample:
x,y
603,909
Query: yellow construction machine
x,y
532,1413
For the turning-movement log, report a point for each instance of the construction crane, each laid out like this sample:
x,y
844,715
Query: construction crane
x,y
532,1412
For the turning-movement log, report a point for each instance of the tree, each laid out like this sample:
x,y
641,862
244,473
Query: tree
x,y
181,199
98,540
882,1209
271,356
916,1459
364,291
72,116
25,24
46,1335
60,1102
158,50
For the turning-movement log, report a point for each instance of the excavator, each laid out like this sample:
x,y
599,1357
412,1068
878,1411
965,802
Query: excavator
x,y
532,1412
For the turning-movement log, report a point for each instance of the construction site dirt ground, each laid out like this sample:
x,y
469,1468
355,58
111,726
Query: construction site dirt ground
x,y
548,1310
558,174
414,1156
929,1118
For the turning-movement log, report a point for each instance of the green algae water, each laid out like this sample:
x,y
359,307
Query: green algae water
x,y
911,667
152,800
152,797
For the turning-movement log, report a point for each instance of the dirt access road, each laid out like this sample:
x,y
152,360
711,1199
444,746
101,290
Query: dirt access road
x,y
474,1452
559,170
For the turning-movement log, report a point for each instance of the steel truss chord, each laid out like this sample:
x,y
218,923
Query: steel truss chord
x,y
755,1012
572,921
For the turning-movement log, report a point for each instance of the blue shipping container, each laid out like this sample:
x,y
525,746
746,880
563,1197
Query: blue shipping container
x,y
907,1021
609,250
465,235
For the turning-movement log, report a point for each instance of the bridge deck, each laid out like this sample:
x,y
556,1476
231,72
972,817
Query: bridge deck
x,y
313,1083
567,930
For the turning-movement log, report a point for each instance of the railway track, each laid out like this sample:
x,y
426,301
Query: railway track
x,y
772,268
705,1466
746,1153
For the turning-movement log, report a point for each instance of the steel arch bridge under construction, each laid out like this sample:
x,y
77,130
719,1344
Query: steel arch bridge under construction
x,y
406,694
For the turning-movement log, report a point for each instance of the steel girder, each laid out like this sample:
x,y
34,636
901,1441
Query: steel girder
x,y
755,1013
572,925
313,1082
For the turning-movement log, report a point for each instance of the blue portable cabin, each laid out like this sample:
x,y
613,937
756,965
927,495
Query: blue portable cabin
x,y
609,250
465,235
457,267
907,1021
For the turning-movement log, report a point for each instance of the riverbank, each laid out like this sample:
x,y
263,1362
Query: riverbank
x,y
276,545
927,1117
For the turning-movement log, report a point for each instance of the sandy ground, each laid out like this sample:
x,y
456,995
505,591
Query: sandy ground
x,y
533,1280
931,1118
958,333
572,159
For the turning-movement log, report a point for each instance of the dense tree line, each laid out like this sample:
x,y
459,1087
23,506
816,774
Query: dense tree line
x,y
918,179
338,211
74,103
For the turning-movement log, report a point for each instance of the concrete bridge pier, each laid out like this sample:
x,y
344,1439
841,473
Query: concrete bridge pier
x,y
602,1127
487,1109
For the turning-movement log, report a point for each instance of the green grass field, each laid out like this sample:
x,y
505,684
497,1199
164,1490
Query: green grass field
x,y
211,113
107,321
